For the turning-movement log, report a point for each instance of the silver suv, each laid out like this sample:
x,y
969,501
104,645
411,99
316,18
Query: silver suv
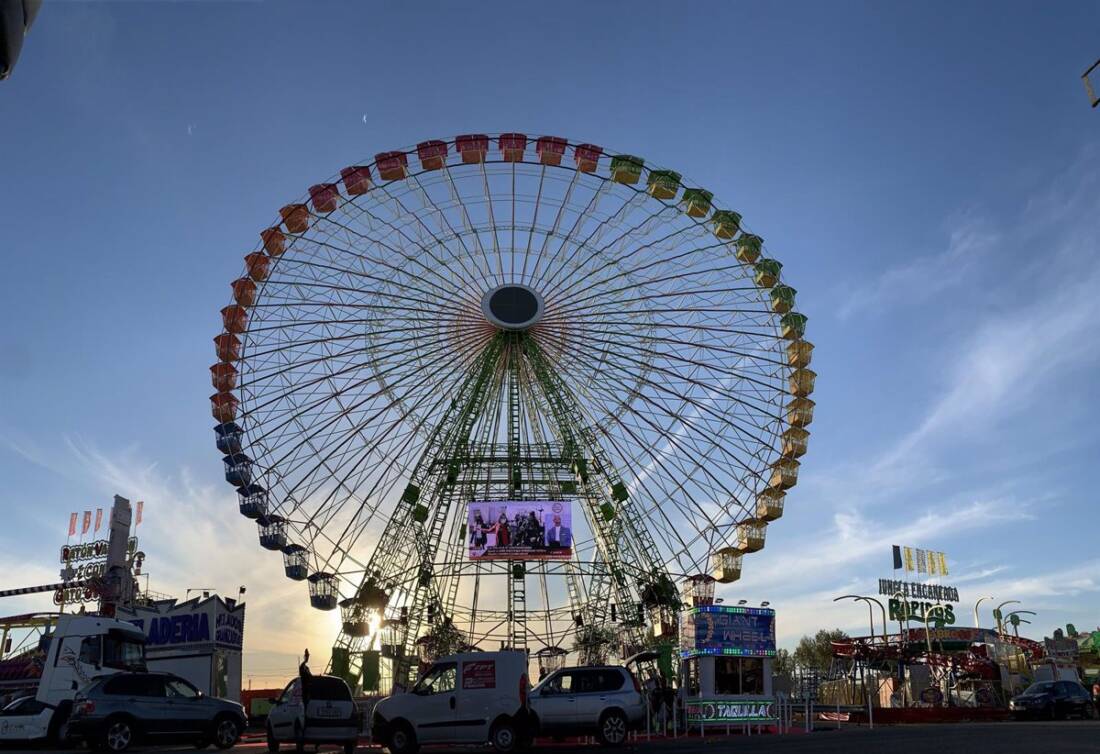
x,y
605,700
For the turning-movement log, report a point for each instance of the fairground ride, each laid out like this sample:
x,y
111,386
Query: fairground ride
x,y
509,318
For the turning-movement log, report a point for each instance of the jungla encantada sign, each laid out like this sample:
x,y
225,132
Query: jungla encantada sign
x,y
913,601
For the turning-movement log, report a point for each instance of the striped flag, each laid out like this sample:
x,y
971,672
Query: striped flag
x,y
72,524
98,518
137,520
87,523
922,562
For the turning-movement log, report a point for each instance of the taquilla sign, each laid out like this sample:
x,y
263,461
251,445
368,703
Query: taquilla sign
x,y
739,711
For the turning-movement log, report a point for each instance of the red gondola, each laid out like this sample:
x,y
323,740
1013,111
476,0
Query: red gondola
x,y
324,197
227,346
259,265
432,154
244,291
274,241
356,179
223,375
224,406
234,318
587,156
472,147
295,218
392,166
550,149
512,146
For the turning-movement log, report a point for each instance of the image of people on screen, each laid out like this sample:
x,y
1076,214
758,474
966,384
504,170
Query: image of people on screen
x,y
558,536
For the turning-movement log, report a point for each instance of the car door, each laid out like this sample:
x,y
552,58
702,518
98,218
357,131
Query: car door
x,y
148,705
436,702
479,700
1064,702
185,705
556,701
286,710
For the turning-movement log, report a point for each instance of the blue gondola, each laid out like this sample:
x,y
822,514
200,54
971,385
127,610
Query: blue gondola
x,y
295,562
323,591
272,532
238,469
229,437
252,501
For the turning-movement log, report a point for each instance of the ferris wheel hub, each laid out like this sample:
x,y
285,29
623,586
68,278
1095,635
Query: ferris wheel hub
x,y
512,307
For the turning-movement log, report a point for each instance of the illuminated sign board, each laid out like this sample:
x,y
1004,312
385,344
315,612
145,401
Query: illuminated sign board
x,y
730,631
519,530
745,710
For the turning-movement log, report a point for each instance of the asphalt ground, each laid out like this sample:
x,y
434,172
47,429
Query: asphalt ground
x,y
1069,736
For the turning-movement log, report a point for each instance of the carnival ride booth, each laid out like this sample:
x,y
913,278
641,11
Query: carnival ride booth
x,y
199,640
726,656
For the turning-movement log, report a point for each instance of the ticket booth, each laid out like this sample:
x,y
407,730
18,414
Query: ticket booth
x,y
726,656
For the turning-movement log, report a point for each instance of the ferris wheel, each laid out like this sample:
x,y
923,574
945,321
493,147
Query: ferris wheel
x,y
503,318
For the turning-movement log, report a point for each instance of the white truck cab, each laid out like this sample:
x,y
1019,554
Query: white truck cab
x,y
469,698
80,648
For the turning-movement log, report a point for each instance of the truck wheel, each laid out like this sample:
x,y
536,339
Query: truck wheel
x,y
613,728
118,734
59,725
402,740
503,737
272,742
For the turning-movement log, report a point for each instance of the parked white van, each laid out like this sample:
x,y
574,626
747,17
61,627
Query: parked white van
x,y
469,698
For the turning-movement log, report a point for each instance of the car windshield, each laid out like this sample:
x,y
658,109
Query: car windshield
x,y
123,653
1045,687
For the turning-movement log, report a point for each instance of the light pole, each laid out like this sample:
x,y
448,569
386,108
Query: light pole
x,y
997,613
927,632
870,612
903,610
882,609
977,624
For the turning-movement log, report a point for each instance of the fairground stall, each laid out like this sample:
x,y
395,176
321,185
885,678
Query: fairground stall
x,y
199,640
726,656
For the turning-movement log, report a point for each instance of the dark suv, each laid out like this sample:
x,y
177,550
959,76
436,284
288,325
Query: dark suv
x,y
1053,700
114,712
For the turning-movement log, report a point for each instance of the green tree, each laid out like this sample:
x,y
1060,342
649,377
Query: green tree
x,y
816,652
783,666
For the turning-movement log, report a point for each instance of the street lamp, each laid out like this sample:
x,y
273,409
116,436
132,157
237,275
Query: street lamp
x,y
870,612
980,601
927,632
1094,70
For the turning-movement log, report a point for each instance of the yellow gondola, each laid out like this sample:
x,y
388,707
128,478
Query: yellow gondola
x,y
726,565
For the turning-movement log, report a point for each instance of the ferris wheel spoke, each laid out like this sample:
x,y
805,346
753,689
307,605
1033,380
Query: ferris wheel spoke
x,y
421,250
467,275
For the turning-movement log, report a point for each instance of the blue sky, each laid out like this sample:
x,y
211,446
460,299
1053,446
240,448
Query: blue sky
x,y
927,173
